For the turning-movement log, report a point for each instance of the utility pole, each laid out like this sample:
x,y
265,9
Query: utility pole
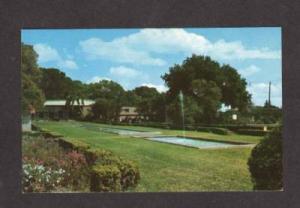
x,y
269,94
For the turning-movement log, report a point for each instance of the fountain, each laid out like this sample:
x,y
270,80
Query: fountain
x,y
181,98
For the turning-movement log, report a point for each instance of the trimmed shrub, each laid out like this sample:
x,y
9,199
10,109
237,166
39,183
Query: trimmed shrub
x,y
252,132
129,172
96,154
221,131
80,146
73,145
265,162
105,178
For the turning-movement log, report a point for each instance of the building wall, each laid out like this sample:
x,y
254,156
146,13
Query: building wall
x,y
129,114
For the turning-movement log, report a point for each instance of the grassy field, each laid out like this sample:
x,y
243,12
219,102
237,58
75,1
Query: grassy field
x,y
167,167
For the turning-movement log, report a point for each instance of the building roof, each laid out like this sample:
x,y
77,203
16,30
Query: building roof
x,y
63,103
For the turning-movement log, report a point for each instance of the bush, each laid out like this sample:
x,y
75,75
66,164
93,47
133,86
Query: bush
x,y
43,159
252,132
76,168
79,146
265,162
105,178
129,172
96,154
75,158
221,131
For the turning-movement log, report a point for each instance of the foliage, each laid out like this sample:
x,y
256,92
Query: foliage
x,y
209,84
38,178
109,97
105,89
47,167
254,132
191,111
150,103
221,131
105,178
129,172
106,110
207,95
56,85
77,170
265,162
266,114
32,95
233,88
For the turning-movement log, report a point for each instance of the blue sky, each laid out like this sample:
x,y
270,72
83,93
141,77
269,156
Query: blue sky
x,y
135,57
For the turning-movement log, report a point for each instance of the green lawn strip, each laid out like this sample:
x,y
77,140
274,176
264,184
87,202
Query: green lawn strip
x,y
166,167
194,134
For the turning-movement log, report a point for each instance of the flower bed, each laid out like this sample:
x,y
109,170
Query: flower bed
x,y
47,167
55,164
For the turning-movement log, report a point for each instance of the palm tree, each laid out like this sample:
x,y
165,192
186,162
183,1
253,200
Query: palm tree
x,y
74,111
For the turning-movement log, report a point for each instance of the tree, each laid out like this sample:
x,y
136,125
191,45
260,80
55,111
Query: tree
x,y
109,98
150,103
266,114
209,84
105,109
191,111
32,95
56,85
208,97
105,89
233,87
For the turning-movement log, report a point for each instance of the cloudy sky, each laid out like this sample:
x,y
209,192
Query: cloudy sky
x,y
135,57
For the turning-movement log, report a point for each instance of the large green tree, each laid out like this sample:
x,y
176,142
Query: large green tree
x,y
150,103
209,84
109,98
56,85
105,89
32,95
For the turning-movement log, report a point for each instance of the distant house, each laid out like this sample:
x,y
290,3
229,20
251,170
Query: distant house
x,y
57,108
129,114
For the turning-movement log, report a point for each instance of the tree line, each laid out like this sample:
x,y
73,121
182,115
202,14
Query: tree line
x,y
204,83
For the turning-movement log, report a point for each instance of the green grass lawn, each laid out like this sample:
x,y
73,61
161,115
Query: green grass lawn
x,y
167,167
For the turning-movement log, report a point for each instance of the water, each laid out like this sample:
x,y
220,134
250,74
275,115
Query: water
x,y
181,98
192,142
128,132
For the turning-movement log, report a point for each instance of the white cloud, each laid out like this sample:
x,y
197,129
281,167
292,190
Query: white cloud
x,y
47,54
260,91
159,88
128,77
68,64
250,70
141,47
118,52
122,71
97,79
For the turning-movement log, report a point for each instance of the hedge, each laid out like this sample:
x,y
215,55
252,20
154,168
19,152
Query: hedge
x,y
108,171
265,162
129,172
221,131
252,132
105,178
